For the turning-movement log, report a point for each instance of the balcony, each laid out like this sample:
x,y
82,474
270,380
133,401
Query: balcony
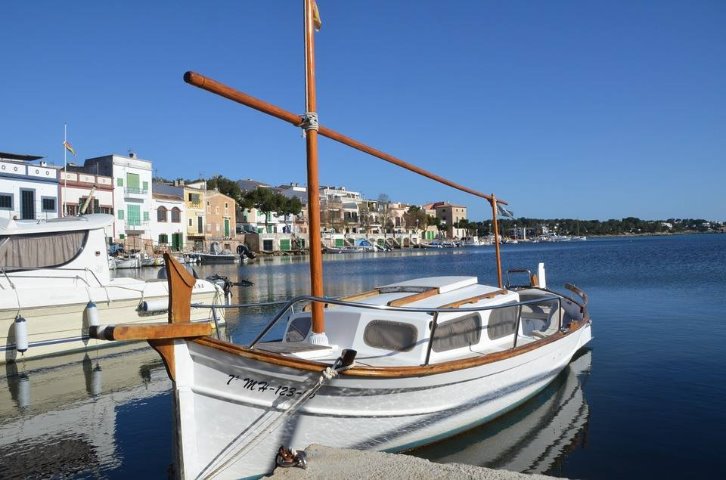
x,y
135,192
194,232
136,226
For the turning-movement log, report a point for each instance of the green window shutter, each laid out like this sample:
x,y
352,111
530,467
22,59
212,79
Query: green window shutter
x,y
119,182
132,180
121,236
146,216
134,215
146,186
120,214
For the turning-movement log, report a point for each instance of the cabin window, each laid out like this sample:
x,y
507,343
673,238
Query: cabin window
x,y
6,201
460,333
22,252
298,329
502,322
397,336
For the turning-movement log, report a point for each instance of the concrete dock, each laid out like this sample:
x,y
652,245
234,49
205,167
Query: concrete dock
x,y
335,463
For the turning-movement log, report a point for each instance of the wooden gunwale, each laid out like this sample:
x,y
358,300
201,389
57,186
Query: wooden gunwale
x,y
384,372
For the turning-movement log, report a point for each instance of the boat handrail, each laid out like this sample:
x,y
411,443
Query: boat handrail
x,y
435,311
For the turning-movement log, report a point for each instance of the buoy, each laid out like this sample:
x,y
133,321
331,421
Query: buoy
x,y
21,334
541,275
23,391
154,306
92,315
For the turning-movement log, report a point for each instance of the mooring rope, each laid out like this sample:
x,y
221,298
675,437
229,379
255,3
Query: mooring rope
x,y
326,375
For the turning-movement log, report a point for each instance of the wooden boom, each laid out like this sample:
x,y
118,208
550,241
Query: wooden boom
x,y
213,86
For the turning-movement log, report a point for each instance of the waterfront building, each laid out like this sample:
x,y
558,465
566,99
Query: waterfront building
x,y
168,219
77,185
28,190
220,219
194,202
131,195
339,210
449,215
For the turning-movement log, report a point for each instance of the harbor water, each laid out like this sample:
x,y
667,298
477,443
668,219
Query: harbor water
x,y
647,399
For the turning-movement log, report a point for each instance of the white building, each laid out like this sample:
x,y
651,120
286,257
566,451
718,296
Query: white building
x,y
28,191
168,218
132,193
76,186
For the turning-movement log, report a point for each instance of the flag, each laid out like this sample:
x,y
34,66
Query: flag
x,y
503,212
69,147
317,21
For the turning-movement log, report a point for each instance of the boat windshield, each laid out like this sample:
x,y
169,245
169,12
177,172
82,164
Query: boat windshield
x,y
40,250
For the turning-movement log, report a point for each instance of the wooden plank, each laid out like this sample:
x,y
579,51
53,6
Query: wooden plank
x,y
475,299
361,295
413,298
351,298
151,331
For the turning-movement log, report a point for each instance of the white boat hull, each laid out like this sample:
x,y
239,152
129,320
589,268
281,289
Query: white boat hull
x,y
224,401
56,317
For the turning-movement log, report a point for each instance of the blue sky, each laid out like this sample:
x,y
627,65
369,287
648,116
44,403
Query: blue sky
x,y
567,109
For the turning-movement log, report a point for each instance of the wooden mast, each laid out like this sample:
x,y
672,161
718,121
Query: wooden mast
x,y
310,124
495,227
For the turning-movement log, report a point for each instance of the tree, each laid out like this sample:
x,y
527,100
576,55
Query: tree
x,y
384,203
265,200
225,186
289,206
415,217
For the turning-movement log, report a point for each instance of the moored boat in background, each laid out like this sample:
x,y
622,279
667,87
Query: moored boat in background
x,y
56,282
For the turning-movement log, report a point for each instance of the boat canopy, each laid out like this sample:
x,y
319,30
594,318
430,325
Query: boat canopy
x,y
40,250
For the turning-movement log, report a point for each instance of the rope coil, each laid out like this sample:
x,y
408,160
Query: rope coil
x,y
309,121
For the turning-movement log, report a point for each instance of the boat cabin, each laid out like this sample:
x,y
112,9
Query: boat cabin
x,y
428,320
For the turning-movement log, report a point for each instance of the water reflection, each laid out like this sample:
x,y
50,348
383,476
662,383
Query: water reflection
x,y
58,415
533,438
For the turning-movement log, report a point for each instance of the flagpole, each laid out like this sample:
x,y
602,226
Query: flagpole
x,y
65,167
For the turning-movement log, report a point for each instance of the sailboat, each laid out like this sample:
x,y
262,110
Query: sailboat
x,y
391,368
